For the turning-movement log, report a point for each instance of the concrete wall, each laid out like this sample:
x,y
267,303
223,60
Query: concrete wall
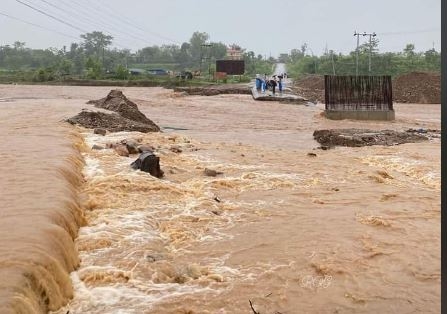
x,y
360,115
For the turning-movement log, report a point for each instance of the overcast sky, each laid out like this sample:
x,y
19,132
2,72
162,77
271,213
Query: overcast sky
x,y
265,27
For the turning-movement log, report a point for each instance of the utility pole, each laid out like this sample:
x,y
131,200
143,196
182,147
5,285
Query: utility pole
x,y
357,54
206,58
313,59
370,48
332,60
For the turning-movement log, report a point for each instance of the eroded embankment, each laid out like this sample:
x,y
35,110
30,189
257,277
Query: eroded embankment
x,y
41,213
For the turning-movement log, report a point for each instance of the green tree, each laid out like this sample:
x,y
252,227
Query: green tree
x,y
95,42
65,66
121,72
196,50
94,69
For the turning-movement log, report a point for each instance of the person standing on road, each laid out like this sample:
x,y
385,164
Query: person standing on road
x,y
273,85
280,83
264,84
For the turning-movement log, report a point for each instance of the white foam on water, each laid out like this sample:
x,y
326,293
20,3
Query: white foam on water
x,y
411,169
157,218
133,297
92,168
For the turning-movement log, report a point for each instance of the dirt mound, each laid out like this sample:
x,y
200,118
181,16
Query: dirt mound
x,y
364,137
112,122
311,81
213,90
117,102
126,118
310,87
417,88
414,87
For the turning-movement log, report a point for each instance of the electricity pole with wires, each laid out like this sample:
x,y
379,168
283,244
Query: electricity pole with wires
x,y
370,48
357,54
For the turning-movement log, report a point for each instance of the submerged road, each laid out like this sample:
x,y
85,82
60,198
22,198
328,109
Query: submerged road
x,y
280,68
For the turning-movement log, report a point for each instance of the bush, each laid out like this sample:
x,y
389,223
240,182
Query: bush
x,y
121,73
43,75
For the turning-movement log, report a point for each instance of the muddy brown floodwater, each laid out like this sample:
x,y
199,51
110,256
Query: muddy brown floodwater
x,y
345,230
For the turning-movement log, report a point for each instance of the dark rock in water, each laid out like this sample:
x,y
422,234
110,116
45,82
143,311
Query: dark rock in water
x,y
112,122
175,149
311,154
148,162
211,172
154,257
98,147
100,131
364,137
117,102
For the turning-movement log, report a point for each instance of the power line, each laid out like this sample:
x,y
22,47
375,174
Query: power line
x,y
357,54
85,18
101,21
54,18
126,21
429,30
370,48
70,14
36,25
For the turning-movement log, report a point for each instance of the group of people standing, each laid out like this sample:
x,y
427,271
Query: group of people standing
x,y
270,83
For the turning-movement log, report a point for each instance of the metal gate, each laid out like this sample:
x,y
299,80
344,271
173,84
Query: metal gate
x,y
358,93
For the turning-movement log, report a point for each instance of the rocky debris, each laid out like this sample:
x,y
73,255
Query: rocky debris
x,y
97,147
311,87
213,90
424,131
155,257
211,172
121,150
417,88
127,117
100,131
117,102
145,148
148,162
175,149
124,147
131,145
384,174
322,147
365,137
112,122
311,154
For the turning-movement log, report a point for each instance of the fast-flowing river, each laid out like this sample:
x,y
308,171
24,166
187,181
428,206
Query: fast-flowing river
x,y
350,230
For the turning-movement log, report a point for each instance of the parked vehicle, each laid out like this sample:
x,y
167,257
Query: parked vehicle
x,y
185,75
157,72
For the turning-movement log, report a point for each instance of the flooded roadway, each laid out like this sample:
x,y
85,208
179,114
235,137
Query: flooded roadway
x,y
352,230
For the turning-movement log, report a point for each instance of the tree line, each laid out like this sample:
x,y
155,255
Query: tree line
x,y
370,61
93,58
